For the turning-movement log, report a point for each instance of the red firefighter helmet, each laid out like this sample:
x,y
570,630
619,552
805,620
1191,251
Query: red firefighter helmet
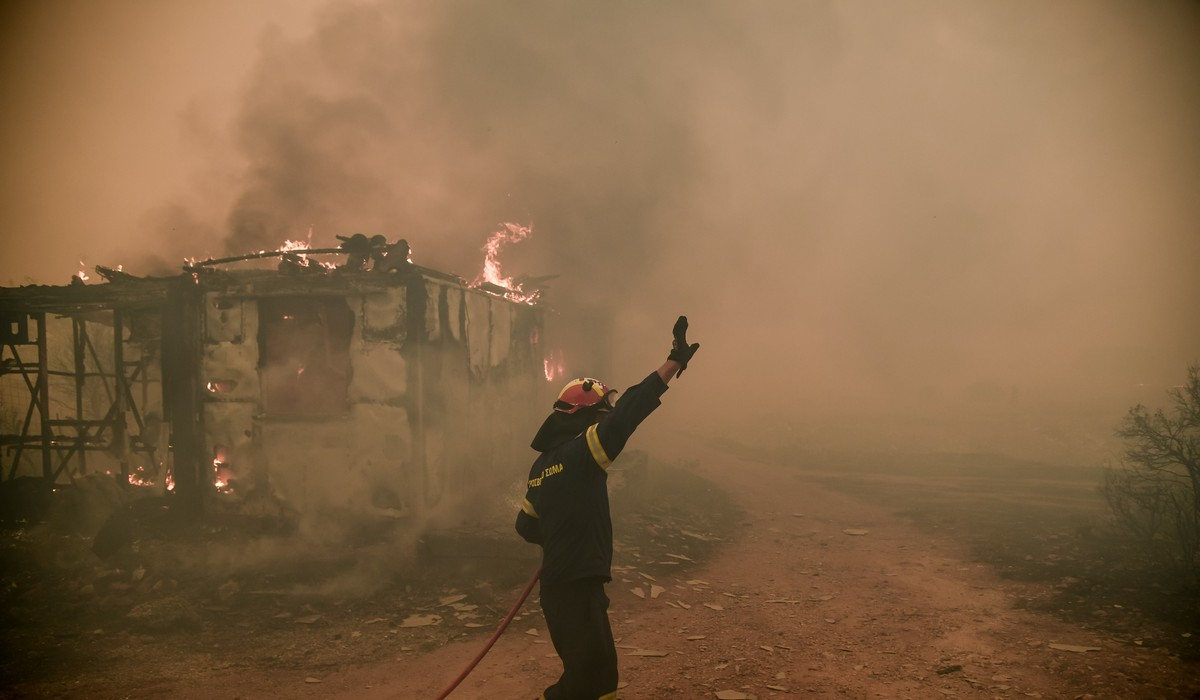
x,y
583,393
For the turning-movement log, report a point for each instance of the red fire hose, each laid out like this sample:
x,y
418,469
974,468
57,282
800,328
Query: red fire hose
x,y
496,635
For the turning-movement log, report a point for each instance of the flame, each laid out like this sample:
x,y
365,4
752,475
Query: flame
x,y
294,247
221,472
139,478
82,274
220,386
509,233
553,365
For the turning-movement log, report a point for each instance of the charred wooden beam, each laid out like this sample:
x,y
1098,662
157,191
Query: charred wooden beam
x,y
192,266
138,293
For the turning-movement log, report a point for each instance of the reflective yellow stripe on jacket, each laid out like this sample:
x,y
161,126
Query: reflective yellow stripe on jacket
x,y
597,450
528,508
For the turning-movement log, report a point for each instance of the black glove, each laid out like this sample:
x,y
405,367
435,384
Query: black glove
x,y
681,352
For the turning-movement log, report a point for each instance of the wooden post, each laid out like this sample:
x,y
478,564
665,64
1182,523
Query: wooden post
x,y
43,397
78,329
120,408
181,397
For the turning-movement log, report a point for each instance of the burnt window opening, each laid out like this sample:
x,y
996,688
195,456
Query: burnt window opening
x,y
304,355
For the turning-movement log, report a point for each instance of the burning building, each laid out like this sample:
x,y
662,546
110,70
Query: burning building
x,y
365,386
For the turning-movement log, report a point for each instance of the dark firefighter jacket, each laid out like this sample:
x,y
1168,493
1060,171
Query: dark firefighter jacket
x,y
566,503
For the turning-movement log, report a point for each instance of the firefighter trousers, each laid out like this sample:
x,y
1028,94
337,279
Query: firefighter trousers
x,y
577,617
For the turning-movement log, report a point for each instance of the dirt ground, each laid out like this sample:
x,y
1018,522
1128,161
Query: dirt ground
x,y
734,577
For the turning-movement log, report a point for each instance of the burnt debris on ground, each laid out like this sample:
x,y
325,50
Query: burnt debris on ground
x,y
237,592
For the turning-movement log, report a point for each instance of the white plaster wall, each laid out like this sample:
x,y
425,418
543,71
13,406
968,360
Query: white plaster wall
x,y
231,361
379,373
230,350
433,326
454,298
500,337
227,325
383,445
336,466
228,423
311,465
436,477
231,425
230,353
478,323
364,461
384,314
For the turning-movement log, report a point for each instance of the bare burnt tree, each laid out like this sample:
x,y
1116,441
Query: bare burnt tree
x,y
1155,493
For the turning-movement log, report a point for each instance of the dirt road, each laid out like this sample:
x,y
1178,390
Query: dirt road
x,y
813,594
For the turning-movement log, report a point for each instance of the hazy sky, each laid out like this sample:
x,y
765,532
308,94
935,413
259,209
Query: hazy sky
x,y
854,201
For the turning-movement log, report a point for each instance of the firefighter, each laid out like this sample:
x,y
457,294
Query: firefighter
x,y
566,512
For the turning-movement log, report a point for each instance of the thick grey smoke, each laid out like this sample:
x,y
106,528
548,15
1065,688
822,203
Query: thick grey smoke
x,y
438,127
982,212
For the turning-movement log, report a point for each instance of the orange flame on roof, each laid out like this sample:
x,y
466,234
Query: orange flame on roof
x,y
491,275
296,247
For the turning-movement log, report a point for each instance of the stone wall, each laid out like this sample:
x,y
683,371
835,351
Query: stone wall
x,y
440,385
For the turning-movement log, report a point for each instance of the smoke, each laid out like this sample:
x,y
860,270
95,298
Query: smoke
x,y
437,127
982,211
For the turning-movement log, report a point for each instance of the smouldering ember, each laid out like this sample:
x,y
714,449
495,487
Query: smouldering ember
x,y
143,476
491,279
139,477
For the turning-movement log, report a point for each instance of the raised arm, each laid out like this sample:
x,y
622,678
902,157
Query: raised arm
x,y
681,352
640,401
668,370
